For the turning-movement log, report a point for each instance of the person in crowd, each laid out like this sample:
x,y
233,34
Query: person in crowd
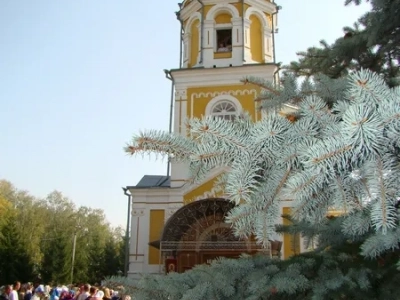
x,y
107,294
28,291
39,293
14,293
93,294
83,292
5,293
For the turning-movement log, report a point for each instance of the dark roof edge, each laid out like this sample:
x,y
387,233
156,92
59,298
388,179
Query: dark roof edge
x,y
134,187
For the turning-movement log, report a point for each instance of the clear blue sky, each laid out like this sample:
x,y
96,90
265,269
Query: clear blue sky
x,y
78,78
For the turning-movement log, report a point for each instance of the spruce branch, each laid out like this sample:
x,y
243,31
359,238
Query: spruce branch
x,y
312,160
160,142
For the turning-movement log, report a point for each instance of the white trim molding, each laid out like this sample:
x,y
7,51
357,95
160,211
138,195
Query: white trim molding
x,y
195,16
198,77
258,13
268,7
222,7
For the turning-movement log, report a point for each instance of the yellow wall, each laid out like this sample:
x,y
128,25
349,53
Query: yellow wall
x,y
256,39
222,54
194,43
291,243
199,191
156,226
223,19
200,103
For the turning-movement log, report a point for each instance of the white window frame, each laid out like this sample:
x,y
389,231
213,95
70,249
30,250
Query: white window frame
x,y
224,26
221,98
222,115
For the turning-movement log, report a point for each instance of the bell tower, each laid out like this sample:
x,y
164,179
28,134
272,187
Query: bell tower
x,y
223,41
219,33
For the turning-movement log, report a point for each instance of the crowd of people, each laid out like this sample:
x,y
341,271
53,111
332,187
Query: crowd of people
x,y
29,291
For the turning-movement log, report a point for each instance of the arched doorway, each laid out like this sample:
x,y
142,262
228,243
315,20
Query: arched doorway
x,y
197,233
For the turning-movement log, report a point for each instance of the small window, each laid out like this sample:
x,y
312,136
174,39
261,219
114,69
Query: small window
x,y
224,40
224,110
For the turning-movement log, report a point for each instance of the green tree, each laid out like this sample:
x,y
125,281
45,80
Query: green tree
x,y
372,43
57,240
113,256
4,210
15,263
29,227
56,263
45,229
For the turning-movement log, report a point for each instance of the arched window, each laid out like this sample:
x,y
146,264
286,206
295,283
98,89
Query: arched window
x,y
225,110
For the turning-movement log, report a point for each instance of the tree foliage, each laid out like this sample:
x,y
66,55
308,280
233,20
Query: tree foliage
x,y
345,157
372,43
339,150
36,239
334,270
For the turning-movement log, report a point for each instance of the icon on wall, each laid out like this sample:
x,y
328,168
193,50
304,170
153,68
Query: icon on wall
x,y
170,265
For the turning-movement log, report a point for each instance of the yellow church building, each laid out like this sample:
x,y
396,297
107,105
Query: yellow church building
x,y
176,225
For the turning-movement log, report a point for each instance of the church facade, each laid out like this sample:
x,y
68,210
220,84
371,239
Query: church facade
x,y
175,225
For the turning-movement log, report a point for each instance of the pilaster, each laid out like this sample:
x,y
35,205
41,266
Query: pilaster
x,y
247,50
186,49
237,32
209,34
208,43
180,108
201,40
138,240
267,44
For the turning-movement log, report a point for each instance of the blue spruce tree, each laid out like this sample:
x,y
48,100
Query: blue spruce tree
x,y
340,150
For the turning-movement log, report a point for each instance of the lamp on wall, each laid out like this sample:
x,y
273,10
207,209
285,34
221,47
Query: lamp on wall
x,y
275,30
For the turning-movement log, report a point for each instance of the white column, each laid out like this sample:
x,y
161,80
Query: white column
x,y
139,240
267,44
186,49
237,32
237,42
180,107
179,171
247,51
198,63
209,33
209,43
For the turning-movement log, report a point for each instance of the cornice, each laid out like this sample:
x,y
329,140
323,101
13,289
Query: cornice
x,y
187,11
220,76
164,192
215,2
265,6
194,6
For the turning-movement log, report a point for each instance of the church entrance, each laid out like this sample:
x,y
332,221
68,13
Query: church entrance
x,y
197,234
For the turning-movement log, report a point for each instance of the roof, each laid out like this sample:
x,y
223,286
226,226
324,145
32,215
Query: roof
x,y
153,181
